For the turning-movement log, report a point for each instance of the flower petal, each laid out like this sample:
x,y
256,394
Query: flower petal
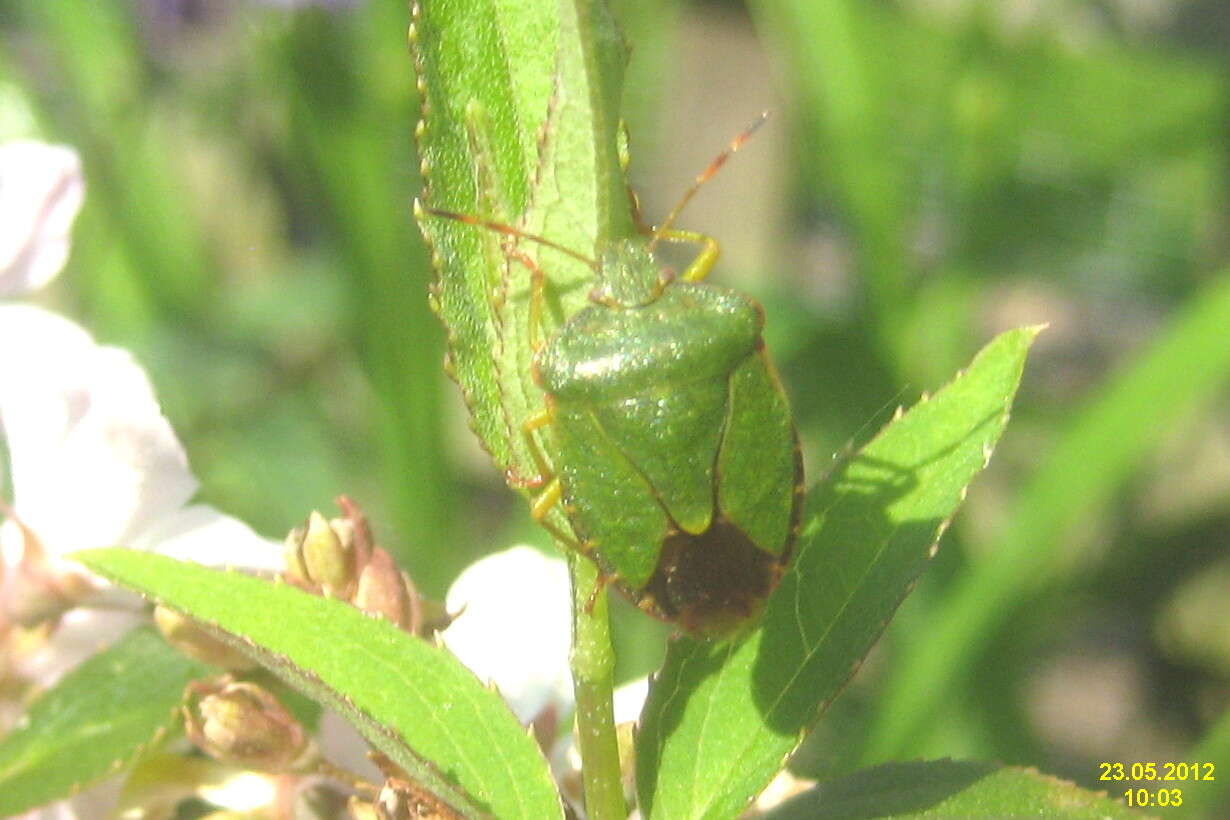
x,y
515,628
629,700
93,461
41,190
205,536
342,745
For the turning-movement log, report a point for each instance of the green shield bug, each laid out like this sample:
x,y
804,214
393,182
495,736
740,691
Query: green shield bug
x,y
672,447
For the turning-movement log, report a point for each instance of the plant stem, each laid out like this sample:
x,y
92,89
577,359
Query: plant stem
x,y
593,665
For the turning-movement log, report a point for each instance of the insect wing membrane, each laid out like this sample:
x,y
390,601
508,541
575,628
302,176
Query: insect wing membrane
x,y
760,470
611,506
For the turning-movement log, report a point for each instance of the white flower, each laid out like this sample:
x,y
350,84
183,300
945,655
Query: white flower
x,y
515,628
40,193
94,463
92,460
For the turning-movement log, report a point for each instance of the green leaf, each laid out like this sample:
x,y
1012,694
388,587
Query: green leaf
x,y
520,109
721,718
484,96
1100,449
950,789
413,701
100,715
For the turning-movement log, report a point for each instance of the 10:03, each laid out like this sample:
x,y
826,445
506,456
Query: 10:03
x,y
1145,797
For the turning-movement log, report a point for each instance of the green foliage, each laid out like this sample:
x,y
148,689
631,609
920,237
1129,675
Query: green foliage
x,y
100,716
248,234
413,701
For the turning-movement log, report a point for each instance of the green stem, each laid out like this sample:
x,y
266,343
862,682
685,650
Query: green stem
x,y
604,55
593,665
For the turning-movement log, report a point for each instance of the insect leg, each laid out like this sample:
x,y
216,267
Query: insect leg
x,y
634,202
546,500
535,422
599,584
538,283
702,178
704,261
541,507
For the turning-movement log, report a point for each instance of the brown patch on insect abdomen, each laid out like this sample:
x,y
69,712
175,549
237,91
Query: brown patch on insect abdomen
x,y
712,582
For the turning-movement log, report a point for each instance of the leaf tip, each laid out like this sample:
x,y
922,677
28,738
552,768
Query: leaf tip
x,y
92,559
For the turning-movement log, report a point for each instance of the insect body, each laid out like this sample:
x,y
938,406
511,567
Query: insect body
x,y
675,450
672,448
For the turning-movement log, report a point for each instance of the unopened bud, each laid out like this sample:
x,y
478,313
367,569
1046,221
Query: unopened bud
x,y
320,556
188,637
360,529
329,560
385,590
244,725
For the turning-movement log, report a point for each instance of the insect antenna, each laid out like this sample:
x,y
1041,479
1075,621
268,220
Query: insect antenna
x,y
509,230
704,176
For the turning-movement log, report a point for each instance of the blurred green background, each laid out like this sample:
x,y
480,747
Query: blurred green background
x,y
935,171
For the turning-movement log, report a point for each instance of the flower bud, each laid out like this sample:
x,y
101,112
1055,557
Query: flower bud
x,y
329,559
244,725
360,529
320,555
385,590
188,637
